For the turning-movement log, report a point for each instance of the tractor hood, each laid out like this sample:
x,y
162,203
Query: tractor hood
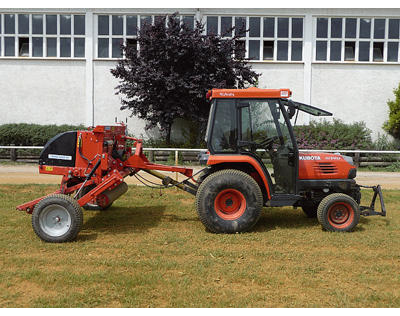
x,y
314,165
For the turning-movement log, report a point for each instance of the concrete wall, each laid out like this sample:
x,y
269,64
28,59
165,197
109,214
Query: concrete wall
x,y
282,75
53,91
58,91
42,91
355,92
107,104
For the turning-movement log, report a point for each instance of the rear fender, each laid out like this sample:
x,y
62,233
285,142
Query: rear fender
x,y
244,163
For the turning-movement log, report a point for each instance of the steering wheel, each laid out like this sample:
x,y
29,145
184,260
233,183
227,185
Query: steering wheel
x,y
268,141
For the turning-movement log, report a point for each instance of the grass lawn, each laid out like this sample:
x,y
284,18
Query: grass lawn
x,y
151,250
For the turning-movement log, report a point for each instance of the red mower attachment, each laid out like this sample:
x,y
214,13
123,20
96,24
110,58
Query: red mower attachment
x,y
93,165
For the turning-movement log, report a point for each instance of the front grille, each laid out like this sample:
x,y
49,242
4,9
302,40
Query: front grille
x,y
326,167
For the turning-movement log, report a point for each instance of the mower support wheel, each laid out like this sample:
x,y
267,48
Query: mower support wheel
x,y
229,201
338,212
57,218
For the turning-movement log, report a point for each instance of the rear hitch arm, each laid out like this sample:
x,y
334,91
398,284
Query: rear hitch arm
x,y
370,210
185,185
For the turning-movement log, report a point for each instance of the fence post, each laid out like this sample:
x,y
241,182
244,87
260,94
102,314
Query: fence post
x,y
151,156
176,163
357,159
13,153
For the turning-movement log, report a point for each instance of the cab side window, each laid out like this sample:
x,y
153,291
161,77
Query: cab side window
x,y
224,133
246,124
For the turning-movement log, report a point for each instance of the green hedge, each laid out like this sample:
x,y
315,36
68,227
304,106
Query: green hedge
x,y
32,134
317,135
333,135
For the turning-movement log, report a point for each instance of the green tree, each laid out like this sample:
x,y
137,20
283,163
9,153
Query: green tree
x,y
392,126
169,76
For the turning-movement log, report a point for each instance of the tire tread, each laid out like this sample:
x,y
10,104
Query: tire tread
x,y
77,213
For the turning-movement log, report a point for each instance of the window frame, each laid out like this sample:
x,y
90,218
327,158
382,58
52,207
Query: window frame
x,y
30,35
124,35
343,39
262,39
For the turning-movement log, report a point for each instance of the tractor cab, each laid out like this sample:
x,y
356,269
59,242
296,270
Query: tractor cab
x,y
256,122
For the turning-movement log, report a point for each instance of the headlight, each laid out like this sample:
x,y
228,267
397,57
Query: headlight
x,y
349,159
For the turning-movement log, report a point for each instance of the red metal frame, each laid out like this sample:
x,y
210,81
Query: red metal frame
x,y
99,143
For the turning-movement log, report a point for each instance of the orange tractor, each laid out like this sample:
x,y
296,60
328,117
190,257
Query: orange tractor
x,y
245,128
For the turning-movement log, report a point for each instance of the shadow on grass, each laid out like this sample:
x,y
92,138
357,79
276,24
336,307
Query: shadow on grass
x,y
118,220
273,218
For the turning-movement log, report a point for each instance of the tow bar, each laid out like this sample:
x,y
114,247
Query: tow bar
x,y
370,210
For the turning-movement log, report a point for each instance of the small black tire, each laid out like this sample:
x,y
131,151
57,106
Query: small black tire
x,y
229,201
338,212
57,218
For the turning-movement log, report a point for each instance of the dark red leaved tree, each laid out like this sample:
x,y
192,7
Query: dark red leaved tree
x,y
174,68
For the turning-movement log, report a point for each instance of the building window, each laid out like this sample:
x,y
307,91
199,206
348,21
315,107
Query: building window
x,y
336,50
212,25
115,30
267,38
42,35
254,50
51,47
321,50
378,51
268,50
365,28
356,39
393,51
23,47
363,54
350,51
37,46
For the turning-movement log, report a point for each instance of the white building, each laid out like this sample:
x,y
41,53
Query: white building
x,y
55,64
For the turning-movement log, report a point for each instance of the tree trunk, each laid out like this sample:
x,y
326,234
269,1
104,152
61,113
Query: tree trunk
x,y
168,135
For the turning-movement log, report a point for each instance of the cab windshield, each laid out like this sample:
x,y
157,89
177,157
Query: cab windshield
x,y
262,123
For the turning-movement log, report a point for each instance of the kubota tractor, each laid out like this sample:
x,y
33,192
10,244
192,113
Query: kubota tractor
x,y
245,127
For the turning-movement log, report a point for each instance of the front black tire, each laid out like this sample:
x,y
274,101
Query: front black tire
x,y
229,201
57,218
338,212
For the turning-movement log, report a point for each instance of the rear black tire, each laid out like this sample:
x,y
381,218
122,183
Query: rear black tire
x,y
229,201
338,212
57,218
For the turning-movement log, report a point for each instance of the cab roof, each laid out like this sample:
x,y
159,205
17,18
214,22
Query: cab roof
x,y
248,93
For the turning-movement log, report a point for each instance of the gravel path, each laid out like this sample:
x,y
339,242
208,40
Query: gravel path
x,y
25,174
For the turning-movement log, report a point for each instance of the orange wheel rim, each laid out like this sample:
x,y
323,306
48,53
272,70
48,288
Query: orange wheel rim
x,y
340,215
230,204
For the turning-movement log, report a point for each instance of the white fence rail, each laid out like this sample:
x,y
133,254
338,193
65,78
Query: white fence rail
x,y
202,149
357,154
